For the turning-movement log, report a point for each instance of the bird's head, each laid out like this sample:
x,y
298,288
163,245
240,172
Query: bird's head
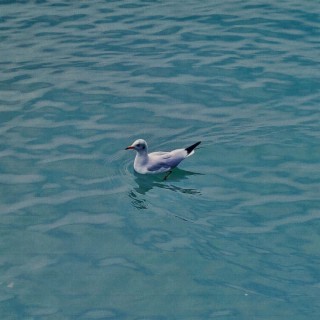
x,y
139,145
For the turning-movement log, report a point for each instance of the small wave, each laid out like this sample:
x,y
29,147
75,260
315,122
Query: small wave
x,y
20,179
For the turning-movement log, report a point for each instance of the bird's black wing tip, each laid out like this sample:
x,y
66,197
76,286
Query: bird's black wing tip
x,y
191,148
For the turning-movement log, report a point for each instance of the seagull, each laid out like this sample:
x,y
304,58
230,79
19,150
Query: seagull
x,y
158,162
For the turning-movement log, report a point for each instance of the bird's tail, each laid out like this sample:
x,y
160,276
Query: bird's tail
x,y
190,150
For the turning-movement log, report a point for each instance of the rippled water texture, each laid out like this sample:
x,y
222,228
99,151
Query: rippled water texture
x,y
233,234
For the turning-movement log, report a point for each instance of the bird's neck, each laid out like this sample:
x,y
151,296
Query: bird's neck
x,y
142,156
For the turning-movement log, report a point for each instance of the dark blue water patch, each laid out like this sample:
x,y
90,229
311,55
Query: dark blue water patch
x,y
82,27
59,4
133,5
265,290
217,19
14,80
118,34
12,307
303,61
168,31
254,7
194,37
50,20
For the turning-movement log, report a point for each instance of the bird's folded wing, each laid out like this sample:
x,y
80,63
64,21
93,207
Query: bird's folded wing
x,y
160,161
164,161
158,167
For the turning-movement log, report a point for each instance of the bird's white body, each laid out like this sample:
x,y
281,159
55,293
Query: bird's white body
x,y
158,162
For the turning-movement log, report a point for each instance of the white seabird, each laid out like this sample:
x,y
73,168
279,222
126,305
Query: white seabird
x,y
158,162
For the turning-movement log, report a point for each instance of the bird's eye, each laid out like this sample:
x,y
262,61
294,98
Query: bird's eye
x,y
138,145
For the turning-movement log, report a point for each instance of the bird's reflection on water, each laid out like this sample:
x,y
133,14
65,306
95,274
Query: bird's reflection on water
x,y
145,183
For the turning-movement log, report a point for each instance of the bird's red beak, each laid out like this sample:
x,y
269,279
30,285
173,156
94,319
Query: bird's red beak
x,y
129,148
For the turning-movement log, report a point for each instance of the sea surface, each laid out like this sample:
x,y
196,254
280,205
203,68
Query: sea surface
x,y
234,233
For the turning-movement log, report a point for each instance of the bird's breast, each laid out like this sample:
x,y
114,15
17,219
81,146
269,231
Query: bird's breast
x,y
140,163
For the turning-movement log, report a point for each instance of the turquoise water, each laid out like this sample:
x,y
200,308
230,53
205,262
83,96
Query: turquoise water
x,y
233,234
